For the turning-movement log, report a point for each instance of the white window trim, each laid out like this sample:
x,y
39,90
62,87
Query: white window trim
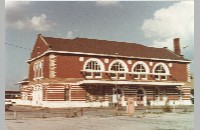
x,y
124,72
89,77
117,74
113,72
98,77
159,77
161,74
94,59
38,70
92,74
122,77
102,68
139,73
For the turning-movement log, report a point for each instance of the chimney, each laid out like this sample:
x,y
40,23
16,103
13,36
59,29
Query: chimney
x,y
177,49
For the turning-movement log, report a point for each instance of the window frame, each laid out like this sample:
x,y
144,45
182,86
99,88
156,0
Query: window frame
x,y
38,69
140,73
159,74
120,67
95,66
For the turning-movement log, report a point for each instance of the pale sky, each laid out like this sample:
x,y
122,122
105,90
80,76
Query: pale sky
x,y
150,23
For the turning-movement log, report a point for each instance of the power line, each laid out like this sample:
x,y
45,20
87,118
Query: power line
x,y
17,46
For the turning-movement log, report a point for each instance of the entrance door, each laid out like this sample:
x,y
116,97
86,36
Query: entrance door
x,y
141,98
118,96
37,95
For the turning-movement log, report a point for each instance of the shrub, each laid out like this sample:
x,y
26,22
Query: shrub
x,y
166,108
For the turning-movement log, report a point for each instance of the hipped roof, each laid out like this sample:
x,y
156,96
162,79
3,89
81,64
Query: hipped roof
x,y
104,47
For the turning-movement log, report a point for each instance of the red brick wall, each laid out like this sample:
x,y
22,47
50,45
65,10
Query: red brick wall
x,y
179,71
39,47
46,66
45,70
31,72
69,66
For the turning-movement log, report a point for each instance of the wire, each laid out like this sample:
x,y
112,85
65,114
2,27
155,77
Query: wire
x,y
17,46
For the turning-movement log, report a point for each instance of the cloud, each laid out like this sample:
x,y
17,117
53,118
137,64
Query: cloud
x,y
107,2
15,4
17,19
70,34
40,23
168,23
15,11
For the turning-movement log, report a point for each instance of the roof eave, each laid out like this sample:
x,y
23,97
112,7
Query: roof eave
x,y
82,53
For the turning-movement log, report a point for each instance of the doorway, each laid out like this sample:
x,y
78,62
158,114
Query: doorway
x,y
118,96
37,95
141,97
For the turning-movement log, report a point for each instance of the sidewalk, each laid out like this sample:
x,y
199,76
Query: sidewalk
x,y
20,112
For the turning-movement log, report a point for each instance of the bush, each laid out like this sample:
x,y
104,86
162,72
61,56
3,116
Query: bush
x,y
166,108
185,110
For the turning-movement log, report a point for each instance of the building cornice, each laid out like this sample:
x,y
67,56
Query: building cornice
x,y
119,56
131,83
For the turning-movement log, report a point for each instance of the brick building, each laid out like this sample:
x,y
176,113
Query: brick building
x,y
84,72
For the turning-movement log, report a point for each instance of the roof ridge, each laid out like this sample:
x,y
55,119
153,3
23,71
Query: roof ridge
x,y
77,38
112,41
43,39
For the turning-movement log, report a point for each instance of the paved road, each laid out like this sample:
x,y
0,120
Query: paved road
x,y
166,121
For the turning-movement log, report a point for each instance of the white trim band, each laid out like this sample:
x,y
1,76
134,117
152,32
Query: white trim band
x,y
129,83
157,59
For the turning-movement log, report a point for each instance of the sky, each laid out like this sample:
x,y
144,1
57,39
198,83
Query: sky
x,y
151,23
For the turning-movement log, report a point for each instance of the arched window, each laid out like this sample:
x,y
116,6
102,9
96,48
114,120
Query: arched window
x,y
117,69
160,71
93,65
93,68
140,70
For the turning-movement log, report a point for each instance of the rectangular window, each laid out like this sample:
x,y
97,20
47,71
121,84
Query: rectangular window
x,y
143,76
121,75
42,72
113,75
136,76
156,76
38,72
88,74
38,69
163,77
97,75
34,69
